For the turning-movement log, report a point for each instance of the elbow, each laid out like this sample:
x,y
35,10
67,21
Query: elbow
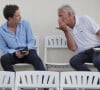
x,y
73,49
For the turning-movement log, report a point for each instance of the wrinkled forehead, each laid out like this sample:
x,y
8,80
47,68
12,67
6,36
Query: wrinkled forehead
x,y
61,12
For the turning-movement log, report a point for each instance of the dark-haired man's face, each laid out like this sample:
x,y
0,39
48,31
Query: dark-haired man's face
x,y
16,18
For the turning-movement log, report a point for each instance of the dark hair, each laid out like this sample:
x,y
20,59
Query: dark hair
x,y
9,10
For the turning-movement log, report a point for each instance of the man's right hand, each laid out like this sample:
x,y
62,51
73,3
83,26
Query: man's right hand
x,y
19,55
62,25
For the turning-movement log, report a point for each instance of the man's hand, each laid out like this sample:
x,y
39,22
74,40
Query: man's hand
x,y
25,52
62,25
19,54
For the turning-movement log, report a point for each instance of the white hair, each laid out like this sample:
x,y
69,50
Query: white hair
x,y
67,8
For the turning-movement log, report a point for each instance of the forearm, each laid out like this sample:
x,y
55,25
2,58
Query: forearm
x,y
30,45
65,28
6,50
30,41
70,41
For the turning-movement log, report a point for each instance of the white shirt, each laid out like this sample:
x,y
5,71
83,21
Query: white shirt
x,y
84,33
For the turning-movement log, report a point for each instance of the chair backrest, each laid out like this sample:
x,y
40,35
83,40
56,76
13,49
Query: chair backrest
x,y
7,79
54,42
36,44
37,79
80,79
48,79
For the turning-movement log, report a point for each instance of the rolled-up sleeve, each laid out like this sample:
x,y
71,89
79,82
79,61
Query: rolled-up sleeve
x,y
30,36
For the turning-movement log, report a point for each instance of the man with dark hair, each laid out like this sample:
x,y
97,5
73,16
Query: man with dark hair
x,y
16,36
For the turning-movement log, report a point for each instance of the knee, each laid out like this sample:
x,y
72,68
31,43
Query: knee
x,y
73,62
33,54
5,59
96,62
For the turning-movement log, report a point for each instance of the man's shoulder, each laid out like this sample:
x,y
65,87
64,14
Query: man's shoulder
x,y
1,27
24,21
84,17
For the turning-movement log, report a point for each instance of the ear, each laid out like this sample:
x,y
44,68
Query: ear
x,y
69,13
9,18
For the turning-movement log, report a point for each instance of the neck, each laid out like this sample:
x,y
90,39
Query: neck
x,y
73,22
12,25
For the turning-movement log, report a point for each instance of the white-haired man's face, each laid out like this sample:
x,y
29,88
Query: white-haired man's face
x,y
66,17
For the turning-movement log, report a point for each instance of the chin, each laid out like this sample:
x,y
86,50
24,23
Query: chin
x,y
18,22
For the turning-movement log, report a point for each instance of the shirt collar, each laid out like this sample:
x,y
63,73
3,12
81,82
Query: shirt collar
x,y
5,26
77,22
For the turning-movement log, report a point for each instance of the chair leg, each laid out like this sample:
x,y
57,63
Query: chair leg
x,y
60,88
83,89
3,88
36,88
50,89
16,88
77,89
13,88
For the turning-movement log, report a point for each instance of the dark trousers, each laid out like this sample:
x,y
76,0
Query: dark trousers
x,y
88,56
8,60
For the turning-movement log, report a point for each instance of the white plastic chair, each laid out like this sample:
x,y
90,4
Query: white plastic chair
x,y
36,46
36,79
79,80
7,80
54,42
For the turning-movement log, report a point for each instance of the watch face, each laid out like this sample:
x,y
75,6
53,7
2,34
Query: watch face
x,y
96,49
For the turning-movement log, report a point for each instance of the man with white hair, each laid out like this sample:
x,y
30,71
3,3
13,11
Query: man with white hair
x,y
83,36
